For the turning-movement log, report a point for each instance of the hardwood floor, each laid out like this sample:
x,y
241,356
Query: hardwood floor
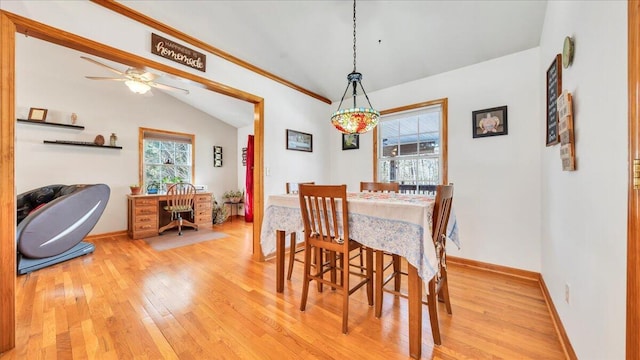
x,y
212,301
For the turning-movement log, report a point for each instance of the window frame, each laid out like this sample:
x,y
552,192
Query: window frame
x,y
164,134
444,142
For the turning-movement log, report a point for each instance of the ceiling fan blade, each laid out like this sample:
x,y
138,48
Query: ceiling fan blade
x,y
103,65
167,87
149,76
105,78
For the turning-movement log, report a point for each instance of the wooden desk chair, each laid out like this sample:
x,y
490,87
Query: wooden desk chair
x,y
292,188
438,286
180,198
319,207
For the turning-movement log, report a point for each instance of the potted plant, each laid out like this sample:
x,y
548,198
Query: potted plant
x,y
219,213
135,189
234,196
170,180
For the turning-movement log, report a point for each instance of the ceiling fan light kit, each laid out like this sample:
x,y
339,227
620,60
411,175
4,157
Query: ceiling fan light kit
x,y
137,80
356,120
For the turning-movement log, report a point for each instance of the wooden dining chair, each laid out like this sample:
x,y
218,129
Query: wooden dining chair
x,y
292,188
396,260
180,198
326,229
438,286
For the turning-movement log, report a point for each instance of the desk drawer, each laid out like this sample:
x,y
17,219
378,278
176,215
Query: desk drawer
x,y
146,219
203,206
146,202
203,198
146,210
145,227
203,219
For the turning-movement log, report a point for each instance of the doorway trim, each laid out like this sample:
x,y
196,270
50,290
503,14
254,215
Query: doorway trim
x,y
10,24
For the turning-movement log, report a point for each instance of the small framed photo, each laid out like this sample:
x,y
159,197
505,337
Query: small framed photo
x,y
217,156
489,122
244,156
217,163
299,141
350,141
37,114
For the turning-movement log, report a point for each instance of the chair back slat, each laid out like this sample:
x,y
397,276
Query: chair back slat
x,y
320,207
181,196
379,187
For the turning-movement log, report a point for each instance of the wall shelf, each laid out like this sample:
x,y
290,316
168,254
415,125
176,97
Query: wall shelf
x,y
36,122
80,143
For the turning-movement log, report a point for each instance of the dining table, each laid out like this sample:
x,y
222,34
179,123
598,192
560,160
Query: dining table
x,y
395,223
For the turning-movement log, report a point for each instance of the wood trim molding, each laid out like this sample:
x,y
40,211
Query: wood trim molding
x,y
143,19
444,103
528,275
7,186
10,24
525,274
633,217
106,235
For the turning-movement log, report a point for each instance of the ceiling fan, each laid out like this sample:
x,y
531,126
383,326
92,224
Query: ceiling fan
x,y
137,80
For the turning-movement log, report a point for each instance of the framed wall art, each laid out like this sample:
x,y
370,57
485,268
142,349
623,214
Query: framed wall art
x,y
350,141
299,141
489,122
37,114
217,156
554,89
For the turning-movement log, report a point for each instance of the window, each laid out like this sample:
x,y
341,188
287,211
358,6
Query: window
x,y
410,145
166,156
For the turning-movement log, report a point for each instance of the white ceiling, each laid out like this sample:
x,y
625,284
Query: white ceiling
x,y
310,42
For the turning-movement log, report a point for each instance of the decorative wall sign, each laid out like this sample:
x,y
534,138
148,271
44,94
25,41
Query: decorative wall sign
x,y
489,122
299,141
565,132
554,88
175,52
217,156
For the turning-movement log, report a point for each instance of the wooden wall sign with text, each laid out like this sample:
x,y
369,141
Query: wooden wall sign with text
x,y
554,88
565,131
173,51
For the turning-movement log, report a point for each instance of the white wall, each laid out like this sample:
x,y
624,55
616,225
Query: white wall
x,y
103,107
284,107
584,212
497,181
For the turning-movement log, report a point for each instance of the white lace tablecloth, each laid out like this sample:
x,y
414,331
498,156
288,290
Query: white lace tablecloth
x,y
396,223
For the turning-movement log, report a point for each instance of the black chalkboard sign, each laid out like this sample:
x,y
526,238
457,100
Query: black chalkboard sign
x,y
554,89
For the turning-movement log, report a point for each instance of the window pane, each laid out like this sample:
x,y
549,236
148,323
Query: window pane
x,y
166,158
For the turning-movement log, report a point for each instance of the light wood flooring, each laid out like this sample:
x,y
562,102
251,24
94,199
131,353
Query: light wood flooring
x,y
212,301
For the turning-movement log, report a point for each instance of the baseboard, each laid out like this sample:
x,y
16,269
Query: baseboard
x,y
104,235
530,275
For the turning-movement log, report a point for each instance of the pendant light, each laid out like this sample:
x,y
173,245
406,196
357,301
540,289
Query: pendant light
x,y
355,120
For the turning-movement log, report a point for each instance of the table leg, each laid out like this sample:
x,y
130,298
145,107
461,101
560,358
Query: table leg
x,y
379,278
280,236
415,312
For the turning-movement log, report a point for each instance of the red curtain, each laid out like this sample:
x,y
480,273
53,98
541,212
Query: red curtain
x,y
248,197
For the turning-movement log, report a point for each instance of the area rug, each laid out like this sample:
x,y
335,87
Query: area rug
x,y
171,240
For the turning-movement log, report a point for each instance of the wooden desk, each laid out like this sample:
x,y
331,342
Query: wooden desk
x,y
144,213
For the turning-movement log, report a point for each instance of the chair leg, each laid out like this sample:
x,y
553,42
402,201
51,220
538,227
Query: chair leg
x,y
369,273
345,293
306,280
444,291
432,299
397,262
292,255
179,224
379,281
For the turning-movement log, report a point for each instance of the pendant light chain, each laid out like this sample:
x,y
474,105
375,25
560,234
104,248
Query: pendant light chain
x,y
354,35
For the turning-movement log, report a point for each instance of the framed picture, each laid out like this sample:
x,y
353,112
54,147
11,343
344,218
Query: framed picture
x,y
244,156
37,114
554,89
489,122
299,141
217,156
350,141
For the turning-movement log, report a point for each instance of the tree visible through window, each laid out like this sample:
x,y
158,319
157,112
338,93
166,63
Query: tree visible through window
x,y
409,147
167,157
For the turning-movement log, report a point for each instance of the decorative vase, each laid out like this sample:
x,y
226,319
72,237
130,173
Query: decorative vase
x,y
112,139
135,190
74,118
